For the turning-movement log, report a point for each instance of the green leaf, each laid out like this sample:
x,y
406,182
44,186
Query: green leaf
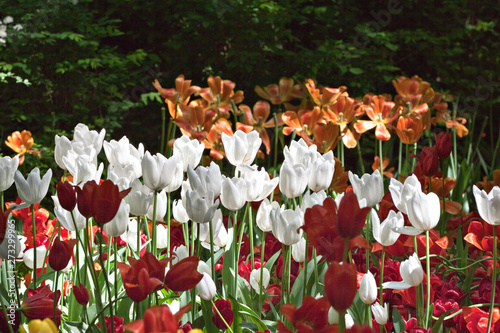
x,y
436,328
397,319
356,70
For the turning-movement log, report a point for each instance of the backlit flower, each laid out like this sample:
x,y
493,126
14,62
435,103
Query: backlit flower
x,y
33,189
8,167
188,151
160,172
241,148
341,285
157,318
368,289
411,272
488,205
409,129
60,254
286,225
369,188
21,143
381,113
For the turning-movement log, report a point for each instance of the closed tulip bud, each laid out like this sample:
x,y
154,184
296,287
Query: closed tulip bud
x,y
205,179
321,172
234,193
206,287
200,209
8,168
299,250
263,218
118,224
369,187
380,313
81,294
341,285
33,189
159,172
424,211
368,289
67,195
139,199
444,145
286,225
488,204
293,179
429,161
183,275
161,207
60,254
255,281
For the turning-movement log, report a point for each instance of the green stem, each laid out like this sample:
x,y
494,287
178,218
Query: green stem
x,y
154,230
217,310
163,120
360,158
212,258
346,249
400,155
493,278
106,280
381,289
262,252
341,321
304,291
6,283
428,270
168,224
34,245
235,253
381,158
55,298
250,229
115,262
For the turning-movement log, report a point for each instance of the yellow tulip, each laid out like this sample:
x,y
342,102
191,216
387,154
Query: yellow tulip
x,y
39,326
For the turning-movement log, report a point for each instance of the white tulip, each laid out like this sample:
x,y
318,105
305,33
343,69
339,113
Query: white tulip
x,y
241,148
424,211
299,250
10,247
88,137
380,313
188,151
264,212
368,289
255,279
161,207
29,256
139,199
411,272
200,209
122,153
384,232
82,167
488,205
402,193
158,172
32,189
69,220
369,187
205,179
258,184
309,200
118,225
321,172
286,224
234,193
8,168
300,153
206,287
293,179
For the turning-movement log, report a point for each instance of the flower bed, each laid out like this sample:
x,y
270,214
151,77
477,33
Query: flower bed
x,y
186,241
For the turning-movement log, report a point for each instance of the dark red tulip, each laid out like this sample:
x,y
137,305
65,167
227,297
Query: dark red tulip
x,y
183,275
4,218
312,316
81,294
13,317
137,281
157,319
61,253
66,194
444,145
429,161
224,308
100,201
351,218
40,305
341,285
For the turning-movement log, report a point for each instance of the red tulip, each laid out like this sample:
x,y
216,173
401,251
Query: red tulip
x,y
312,316
81,294
100,201
137,281
4,218
157,319
183,275
224,308
351,218
341,285
13,317
444,145
60,254
66,194
40,305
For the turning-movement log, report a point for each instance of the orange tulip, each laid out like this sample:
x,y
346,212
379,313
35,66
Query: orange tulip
x,y
182,92
409,129
382,114
21,143
326,96
282,93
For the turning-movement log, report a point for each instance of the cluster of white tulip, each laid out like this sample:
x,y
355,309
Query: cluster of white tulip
x,y
303,167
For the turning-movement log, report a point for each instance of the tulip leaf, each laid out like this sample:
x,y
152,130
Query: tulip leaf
x,y
269,264
298,286
74,326
397,319
124,309
206,308
246,311
436,328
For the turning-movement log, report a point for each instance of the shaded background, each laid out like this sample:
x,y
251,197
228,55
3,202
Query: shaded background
x,y
93,61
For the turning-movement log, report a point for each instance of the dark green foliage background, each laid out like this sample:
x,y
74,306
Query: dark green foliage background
x,y
93,61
